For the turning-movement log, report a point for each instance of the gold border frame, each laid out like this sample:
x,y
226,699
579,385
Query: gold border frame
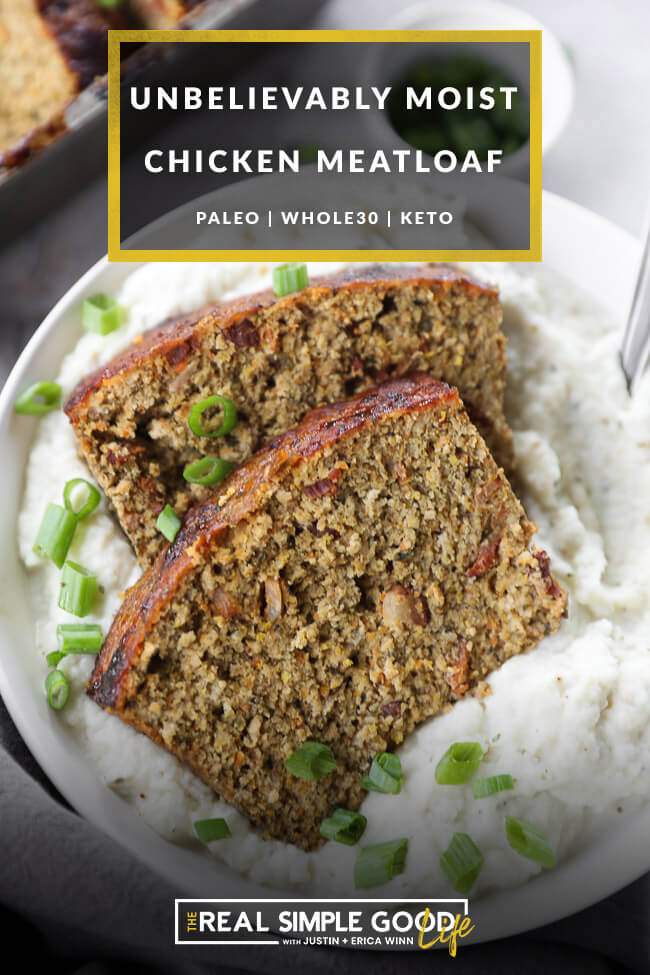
x,y
532,37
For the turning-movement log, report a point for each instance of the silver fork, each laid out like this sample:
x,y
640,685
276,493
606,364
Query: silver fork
x,y
636,341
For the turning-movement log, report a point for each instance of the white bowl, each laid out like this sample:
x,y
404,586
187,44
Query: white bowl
x,y
596,256
558,86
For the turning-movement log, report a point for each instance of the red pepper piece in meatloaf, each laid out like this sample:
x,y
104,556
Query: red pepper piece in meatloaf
x,y
276,358
335,590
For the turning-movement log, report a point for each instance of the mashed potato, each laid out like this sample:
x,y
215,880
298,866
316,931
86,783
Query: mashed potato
x,y
570,721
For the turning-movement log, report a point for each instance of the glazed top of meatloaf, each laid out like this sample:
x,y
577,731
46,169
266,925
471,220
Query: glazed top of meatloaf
x,y
173,336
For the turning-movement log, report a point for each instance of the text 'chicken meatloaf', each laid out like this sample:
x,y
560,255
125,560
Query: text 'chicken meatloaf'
x,y
357,575
276,358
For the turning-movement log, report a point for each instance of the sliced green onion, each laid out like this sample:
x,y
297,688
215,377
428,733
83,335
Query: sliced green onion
x,y
90,493
378,864
101,314
207,470
54,659
344,826
57,689
79,638
459,763
55,534
209,830
462,862
168,522
38,399
311,761
489,786
527,840
288,278
385,775
77,589
228,423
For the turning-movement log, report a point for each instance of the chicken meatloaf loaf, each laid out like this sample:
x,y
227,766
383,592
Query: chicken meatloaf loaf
x,y
359,574
49,51
276,358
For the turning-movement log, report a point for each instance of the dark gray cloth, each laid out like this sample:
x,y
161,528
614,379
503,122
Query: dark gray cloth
x,y
73,899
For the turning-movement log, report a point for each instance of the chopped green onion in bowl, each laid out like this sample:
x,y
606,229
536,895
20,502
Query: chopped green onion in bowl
x,y
80,492
432,128
168,523
385,774
482,788
344,826
55,534
288,278
228,421
101,314
38,399
459,763
79,638
57,689
311,761
376,865
54,659
209,830
77,590
529,842
207,470
462,862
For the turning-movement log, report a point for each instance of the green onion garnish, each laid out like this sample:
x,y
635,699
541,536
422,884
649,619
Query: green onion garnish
x,y
54,659
207,470
288,278
378,864
228,423
209,830
168,522
40,398
385,775
459,763
311,761
494,783
461,862
529,842
101,314
77,589
90,497
57,689
55,534
344,826
79,638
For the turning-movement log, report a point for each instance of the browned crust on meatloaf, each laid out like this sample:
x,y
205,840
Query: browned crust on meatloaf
x,y
243,490
276,358
80,28
357,576
174,337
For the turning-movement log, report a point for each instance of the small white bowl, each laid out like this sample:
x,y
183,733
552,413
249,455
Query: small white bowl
x,y
558,86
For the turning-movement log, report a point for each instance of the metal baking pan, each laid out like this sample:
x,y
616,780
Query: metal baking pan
x,y
28,192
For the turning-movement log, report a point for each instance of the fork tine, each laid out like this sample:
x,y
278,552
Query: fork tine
x,y
636,341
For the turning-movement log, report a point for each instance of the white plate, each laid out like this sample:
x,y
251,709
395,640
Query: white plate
x,y
594,254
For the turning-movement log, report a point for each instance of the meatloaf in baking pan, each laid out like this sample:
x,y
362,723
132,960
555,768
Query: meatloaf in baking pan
x,y
49,51
358,575
275,358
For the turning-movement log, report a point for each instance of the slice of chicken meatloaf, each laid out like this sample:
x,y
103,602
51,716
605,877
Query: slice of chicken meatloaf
x,y
359,574
276,358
